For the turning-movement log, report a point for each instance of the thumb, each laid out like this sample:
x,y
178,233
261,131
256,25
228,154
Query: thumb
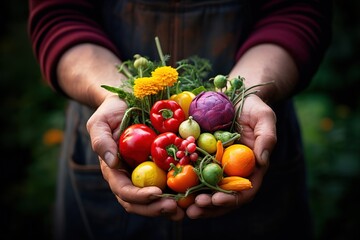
x,y
264,144
103,143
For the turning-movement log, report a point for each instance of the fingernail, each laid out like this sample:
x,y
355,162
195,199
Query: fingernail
x,y
109,158
265,156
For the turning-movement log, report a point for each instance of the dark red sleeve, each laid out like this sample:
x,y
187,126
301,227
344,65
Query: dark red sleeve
x,y
303,28
56,25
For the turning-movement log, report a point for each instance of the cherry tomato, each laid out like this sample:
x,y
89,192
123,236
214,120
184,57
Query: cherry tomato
x,y
191,147
220,81
212,173
207,142
238,160
185,202
135,144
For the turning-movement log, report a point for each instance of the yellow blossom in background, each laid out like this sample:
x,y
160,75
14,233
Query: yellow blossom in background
x,y
145,86
165,75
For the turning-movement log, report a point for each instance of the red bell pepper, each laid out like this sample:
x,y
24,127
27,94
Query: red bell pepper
x,y
164,148
166,116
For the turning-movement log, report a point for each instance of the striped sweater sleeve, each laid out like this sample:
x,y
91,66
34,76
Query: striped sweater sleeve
x,y
303,28
54,26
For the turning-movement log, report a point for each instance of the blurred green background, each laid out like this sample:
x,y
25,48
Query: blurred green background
x,y
32,120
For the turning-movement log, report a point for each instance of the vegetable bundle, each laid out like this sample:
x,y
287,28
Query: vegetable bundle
x,y
180,132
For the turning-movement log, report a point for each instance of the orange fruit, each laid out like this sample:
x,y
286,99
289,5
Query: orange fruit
x,y
185,202
238,160
148,174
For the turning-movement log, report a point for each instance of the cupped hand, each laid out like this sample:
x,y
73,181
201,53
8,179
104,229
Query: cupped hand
x,y
142,201
258,131
103,127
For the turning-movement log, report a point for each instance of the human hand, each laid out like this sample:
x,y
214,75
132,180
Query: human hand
x,y
103,127
142,201
259,133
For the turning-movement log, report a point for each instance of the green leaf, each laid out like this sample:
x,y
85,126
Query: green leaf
x,y
198,90
112,89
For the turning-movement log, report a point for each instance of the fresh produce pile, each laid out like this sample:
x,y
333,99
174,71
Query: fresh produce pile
x,y
179,132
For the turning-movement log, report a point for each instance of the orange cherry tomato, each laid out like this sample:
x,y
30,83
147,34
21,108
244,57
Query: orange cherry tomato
x,y
238,160
185,202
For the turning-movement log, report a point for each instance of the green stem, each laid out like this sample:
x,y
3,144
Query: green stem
x,y
142,112
191,190
166,113
233,138
178,87
258,85
161,55
238,110
168,92
196,188
241,97
169,195
127,116
202,180
171,151
122,69
204,152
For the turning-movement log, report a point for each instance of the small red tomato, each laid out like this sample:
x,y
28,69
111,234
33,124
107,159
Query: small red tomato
x,y
185,202
135,144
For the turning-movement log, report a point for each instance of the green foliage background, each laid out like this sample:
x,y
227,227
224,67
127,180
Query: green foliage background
x,y
328,110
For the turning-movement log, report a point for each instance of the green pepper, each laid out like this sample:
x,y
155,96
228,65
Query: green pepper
x,y
227,138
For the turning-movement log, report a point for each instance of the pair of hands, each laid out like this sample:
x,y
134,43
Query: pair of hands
x,y
259,133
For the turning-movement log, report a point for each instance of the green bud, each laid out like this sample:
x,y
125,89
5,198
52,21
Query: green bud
x,y
220,81
226,137
140,62
237,82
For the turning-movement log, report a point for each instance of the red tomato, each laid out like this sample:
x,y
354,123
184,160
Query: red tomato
x,y
135,144
185,202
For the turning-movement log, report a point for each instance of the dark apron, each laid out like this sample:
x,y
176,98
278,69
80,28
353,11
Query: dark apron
x,y
87,209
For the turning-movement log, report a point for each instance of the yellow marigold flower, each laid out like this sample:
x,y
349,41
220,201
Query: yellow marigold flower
x,y
166,76
145,86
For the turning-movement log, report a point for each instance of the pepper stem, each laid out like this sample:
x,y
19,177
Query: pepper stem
x,y
171,151
166,113
177,170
